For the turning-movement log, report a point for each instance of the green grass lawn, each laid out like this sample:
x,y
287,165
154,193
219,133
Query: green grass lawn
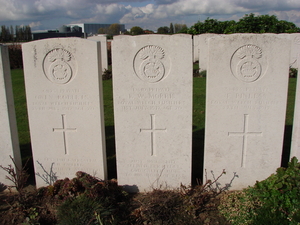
x,y
198,120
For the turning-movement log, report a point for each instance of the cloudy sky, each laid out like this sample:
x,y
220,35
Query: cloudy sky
x,y
52,14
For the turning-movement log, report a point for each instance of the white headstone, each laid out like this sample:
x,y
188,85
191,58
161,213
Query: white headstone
x,y
196,48
295,146
102,39
65,107
246,99
295,47
9,141
153,110
201,49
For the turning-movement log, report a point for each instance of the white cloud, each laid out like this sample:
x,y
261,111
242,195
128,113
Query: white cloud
x,y
35,24
144,13
175,12
292,16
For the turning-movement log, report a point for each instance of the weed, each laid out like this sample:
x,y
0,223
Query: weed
x,y
83,210
183,206
48,177
18,176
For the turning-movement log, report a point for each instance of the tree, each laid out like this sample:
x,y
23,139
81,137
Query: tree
x,y
171,28
163,30
180,28
114,29
102,30
265,24
11,31
27,33
5,34
136,30
248,24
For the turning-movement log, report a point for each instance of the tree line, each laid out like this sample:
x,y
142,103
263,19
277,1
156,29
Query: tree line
x,y
19,33
114,29
248,24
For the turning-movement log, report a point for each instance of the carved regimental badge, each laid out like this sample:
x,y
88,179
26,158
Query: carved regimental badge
x,y
149,64
246,63
59,66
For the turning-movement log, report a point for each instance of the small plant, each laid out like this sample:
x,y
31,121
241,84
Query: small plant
x,y
48,177
32,218
239,207
275,200
18,176
83,210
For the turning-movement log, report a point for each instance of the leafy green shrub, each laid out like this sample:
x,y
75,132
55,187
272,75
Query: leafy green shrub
x,y
239,207
280,194
275,200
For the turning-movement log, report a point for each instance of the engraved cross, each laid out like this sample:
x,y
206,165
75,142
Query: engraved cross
x,y
152,131
245,135
64,129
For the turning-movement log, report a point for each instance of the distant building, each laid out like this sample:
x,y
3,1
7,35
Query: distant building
x,y
74,30
90,29
63,31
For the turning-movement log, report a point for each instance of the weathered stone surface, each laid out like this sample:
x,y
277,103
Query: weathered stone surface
x,y
295,47
65,107
152,86
201,49
247,84
9,141
103,46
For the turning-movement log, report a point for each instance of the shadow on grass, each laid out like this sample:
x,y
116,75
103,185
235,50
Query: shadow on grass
x,y
111,152
27,161
286,145
197,155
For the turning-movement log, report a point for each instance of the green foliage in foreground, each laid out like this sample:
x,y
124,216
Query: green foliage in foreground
x,y
275,200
